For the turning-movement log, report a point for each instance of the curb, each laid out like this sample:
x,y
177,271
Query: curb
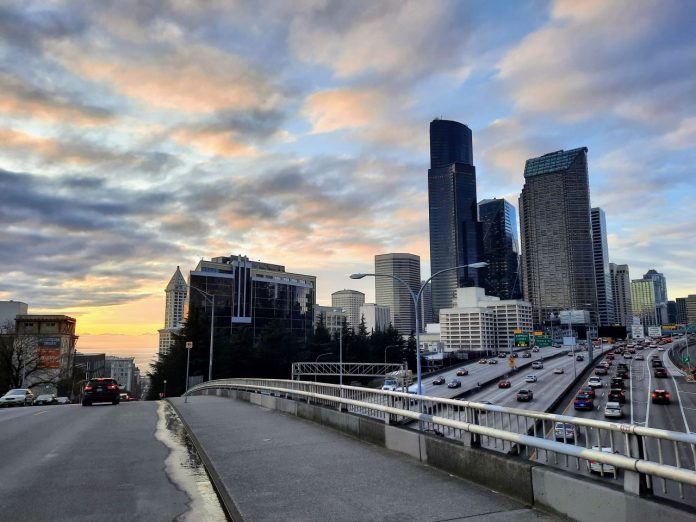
x,y
228,504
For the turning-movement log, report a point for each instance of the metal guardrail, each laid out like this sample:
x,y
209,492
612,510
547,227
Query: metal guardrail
x,y
630,448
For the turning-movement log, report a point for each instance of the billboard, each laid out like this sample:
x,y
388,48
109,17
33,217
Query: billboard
x,y
568,341
637,331
48,351
654,331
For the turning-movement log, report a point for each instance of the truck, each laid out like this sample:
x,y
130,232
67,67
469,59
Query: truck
x,y
398,380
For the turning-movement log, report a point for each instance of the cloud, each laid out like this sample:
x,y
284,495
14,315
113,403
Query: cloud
x,y
683,137
630,58
393,39
338,109
186,77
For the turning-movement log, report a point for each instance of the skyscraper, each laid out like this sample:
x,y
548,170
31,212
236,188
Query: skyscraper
x,y
600,249
175,300
455,237
643,301
350,301
621,290
557,257
500,249
392,293
660,283
427,313
681,310
672,312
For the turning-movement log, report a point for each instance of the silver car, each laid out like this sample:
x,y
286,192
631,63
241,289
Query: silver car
x,y
17,397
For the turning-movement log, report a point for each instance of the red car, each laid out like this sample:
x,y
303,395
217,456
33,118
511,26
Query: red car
x,y
504,384
660,396
462,371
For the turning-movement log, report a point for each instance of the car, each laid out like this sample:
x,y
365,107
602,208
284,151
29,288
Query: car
x,y
661,349
537,365
535,349
454,383
501,355
660,372
583,401
600,370
660,397
492,361
628,355
588,391
558,371
101,389
515,355
613,410
617,382
526,355
17,397
610,356
525,395
579,358
564,431
530,378
483,361
656,363
462,371
623,374
46,398
504,384
62,400
596,467
595,382
439,380
639,357
617,395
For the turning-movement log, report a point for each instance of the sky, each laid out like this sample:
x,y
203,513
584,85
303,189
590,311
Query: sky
x,y
136,137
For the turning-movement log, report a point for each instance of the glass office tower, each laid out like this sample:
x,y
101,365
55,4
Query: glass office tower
x,y
557,256
455,237
600,246
500,249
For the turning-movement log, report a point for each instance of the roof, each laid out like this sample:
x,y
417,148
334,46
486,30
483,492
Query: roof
x,y
176,281
552,162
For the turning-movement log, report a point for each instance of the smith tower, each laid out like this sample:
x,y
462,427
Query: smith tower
x,y
455,237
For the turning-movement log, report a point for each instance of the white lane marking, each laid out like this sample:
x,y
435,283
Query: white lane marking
x,y
40,412
647,409
672,368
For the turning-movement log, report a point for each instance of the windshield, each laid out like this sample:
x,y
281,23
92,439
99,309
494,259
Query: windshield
x,y
16,392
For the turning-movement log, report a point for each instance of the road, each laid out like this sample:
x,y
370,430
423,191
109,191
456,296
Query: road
x,y
102,462
679,415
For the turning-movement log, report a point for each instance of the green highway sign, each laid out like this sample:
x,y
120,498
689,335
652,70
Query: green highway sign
x,y
521,340
686,358
543,340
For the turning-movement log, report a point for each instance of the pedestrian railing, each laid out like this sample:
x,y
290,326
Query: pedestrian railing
x,y
652,456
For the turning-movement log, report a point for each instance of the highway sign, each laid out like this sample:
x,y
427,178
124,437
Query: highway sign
x,y
686,358
521,340
543,340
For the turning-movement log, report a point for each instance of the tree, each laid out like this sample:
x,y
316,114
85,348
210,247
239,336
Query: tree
x,y
20,362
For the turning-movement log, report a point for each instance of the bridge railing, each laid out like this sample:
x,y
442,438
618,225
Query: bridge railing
x,y
648,455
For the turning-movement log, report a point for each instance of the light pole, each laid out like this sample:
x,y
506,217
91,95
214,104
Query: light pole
x,y
212,326
164,392
317,360
415,296
189,345
385,353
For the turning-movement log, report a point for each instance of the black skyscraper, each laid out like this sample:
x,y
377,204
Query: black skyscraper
x,y
454,229
500,249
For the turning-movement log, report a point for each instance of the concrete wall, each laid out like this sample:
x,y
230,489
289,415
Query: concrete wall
x,y
574,496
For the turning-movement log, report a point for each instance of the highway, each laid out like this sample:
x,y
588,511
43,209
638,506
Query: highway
x,y
678,415
104,462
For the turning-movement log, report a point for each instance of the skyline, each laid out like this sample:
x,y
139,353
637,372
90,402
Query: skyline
x,y
138,138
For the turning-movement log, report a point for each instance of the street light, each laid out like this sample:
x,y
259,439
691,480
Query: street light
x,y
164,392
212,325
416,300
317,360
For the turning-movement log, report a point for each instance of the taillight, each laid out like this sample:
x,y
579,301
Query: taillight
x,y
88,388
111,387
667,395
654,395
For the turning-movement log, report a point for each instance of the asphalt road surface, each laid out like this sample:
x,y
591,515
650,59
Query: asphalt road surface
x,y
102,462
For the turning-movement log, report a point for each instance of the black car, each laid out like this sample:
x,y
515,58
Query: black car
x,y
102,389
660,397
439,380
617,382
525,395
617,395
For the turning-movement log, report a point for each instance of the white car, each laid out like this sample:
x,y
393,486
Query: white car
x,y
530,378
558,370
613,410
661,349
603,469
595,382
537,365
17,397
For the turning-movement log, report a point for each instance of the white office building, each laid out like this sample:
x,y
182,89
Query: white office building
x,y
332,317
376,317
121,369
350,301
481,322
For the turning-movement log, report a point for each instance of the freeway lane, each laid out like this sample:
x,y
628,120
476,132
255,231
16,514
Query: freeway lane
x,y
96,463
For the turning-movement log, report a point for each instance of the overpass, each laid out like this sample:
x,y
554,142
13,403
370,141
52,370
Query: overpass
x,y
509,450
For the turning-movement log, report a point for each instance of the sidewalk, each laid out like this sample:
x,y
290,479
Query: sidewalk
x,y
278,467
